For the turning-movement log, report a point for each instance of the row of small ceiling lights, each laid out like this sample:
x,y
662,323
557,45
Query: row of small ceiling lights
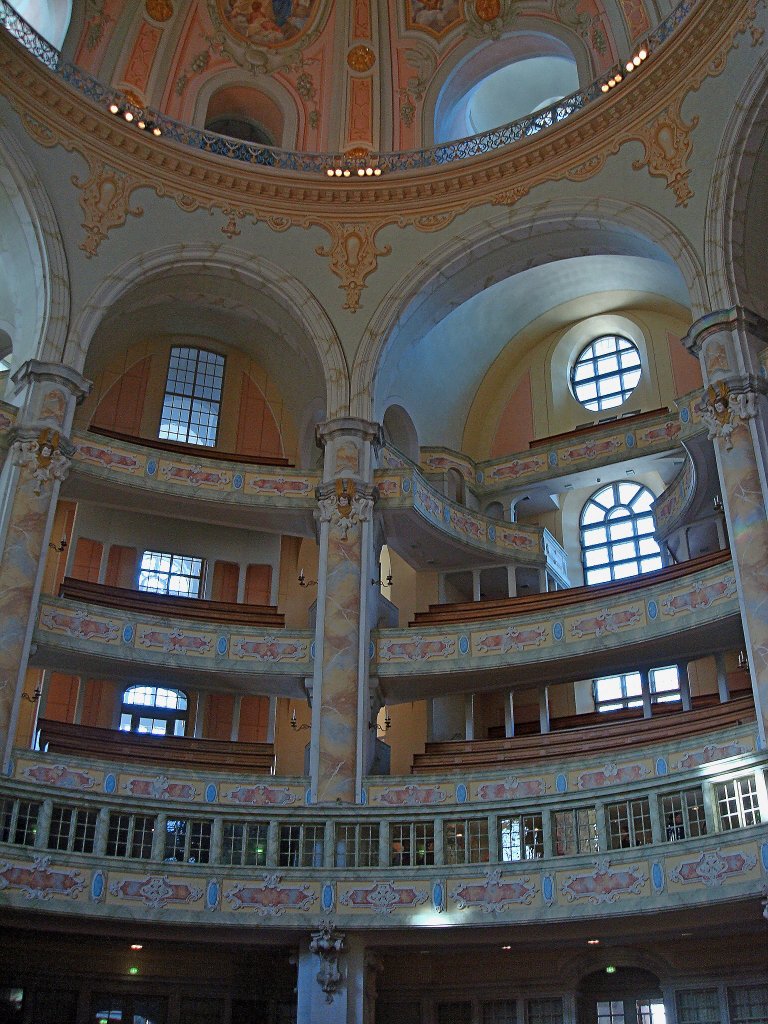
x,y
346,172
632,63
129,116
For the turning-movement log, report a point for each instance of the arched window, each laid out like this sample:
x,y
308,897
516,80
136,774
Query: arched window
x,y
192,397
155,710
606,372
617,528
240,128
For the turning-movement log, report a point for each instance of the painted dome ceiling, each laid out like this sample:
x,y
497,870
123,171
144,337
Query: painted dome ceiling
x,y
357,76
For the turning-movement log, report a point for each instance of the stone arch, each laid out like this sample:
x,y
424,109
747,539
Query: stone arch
x,y
37,275
232,266
733,211
278,109
399,428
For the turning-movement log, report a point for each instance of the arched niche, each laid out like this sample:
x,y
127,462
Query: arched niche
x,y
401,432
268,109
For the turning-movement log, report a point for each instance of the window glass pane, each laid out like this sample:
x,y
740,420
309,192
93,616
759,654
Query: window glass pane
x,y
606,372
192,397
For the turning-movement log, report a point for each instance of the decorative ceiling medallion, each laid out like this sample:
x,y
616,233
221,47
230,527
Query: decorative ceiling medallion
x,y
436,17
159,10
490,18
361,58
264,35
267,22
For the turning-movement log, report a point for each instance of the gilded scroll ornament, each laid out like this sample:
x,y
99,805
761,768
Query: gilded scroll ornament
x,y
354,255
668,145
105,201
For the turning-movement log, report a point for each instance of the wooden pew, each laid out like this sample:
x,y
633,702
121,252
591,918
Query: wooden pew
x,y
161,604
615,737
156,752
506,607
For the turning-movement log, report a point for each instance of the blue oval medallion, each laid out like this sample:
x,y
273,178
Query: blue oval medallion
x,y
561,783
463,644
110,783
461,793
548,888
312,650
557,631
127,634
97,886
237,481
630,440
661,766
363,796
211,793
684,415
657,876
479,476
212,894
406,485
491,533
308,797
552,458
447,514
327,897
653,609
221,645
371,649
437,896
151,467
764,855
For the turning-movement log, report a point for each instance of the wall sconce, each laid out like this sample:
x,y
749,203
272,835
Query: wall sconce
x,y
61,546
303,582
742,661
382,729
717,503
37,694
379,583
295,725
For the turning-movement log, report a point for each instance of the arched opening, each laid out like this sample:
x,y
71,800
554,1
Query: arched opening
x,y
50,18
454,486
621,995
245,113
156,710
401,432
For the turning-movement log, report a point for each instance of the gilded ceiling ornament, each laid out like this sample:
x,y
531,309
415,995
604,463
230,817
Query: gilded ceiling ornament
x,y
354,255
105,202
159,10
489,19
668,145
264,35
361,58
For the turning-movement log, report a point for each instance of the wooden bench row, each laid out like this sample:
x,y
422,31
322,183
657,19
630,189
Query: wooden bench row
x,y
468,611
161,604
498,754
155,751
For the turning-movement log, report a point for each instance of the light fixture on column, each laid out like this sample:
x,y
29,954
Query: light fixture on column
x,y
742,661
36,695
380,583
384,728
61,546
717,503
295,725
304,582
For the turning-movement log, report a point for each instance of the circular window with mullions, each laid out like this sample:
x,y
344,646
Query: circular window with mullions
x,y
606,372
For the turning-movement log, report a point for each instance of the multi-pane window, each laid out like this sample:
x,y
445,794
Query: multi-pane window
x,y
130,835
521,837
357,846
163,572
606,372
544,1011
624,690
301,846
187,841
629,824
575,831
610,1011
737,803
412,843
466,841
617,528
500,1011
682,815
72,829
748,1004
154,709
244,844
192,397
698,1006
18,821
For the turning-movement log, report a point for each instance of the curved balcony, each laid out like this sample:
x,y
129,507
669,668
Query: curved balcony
x,y
171,843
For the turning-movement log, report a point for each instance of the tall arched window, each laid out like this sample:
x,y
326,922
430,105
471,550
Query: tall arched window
x,y
155,710
617,528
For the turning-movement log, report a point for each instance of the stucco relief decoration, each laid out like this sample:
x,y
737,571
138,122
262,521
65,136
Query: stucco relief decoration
x,y
269,649
512,639
263,35
604,885
175,641
494,894
345,508
512,789
327,944
723,411
411,796
159,788
261,796
155,891
436,17
383,897
361,58
159,10
713,867
712,752
270,898
668,145
79,624
424,62
38,882
41,458
488,19
417,649
612,774
588,26
354,256
60,775
699,596
105,201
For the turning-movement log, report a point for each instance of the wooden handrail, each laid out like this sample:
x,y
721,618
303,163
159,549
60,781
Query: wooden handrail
x,y
163,604
495,608
178,751
196,450
609,423
498,754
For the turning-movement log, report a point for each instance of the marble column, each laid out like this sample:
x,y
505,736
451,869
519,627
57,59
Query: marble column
x,y
38,461
346,608
730,345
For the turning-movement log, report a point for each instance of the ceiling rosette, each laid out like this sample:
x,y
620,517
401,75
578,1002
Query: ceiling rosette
x,y
264,35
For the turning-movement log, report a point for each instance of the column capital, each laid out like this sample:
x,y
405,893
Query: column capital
x,y
33,371
735,319
46,395
366,430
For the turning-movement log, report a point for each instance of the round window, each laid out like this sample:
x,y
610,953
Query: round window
x,y
606,372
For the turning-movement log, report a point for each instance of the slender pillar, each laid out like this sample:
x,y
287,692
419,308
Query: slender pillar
x,y
82,683
511,581
722,678
346,607
469,716
544,723
234,732
202,701
509,715
729,344
38,461
645,690
685,685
